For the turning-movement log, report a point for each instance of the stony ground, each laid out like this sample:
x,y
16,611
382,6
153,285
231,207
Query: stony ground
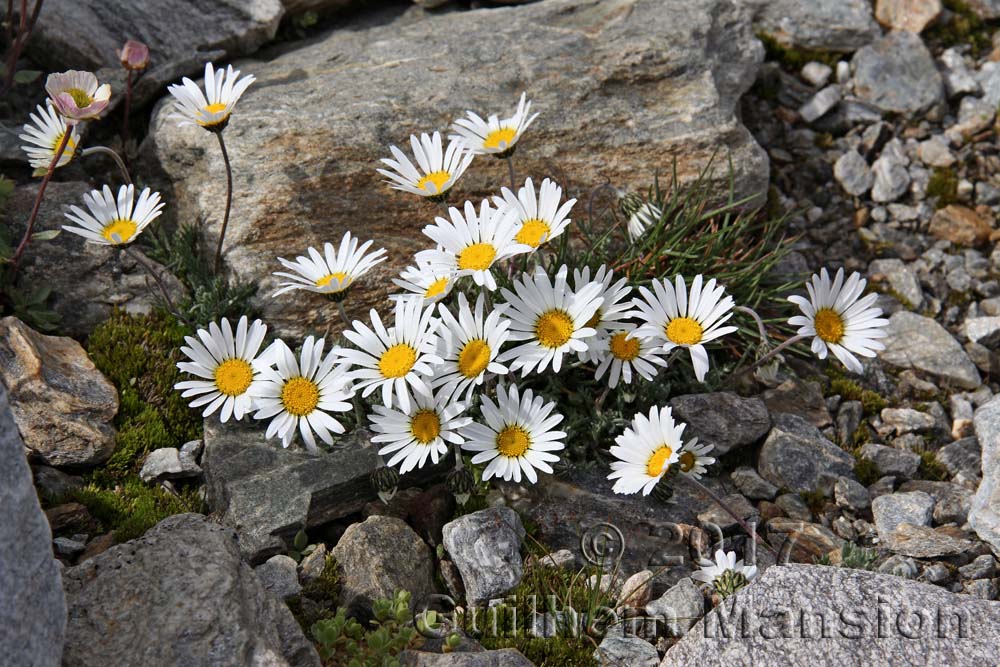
x,y
872,124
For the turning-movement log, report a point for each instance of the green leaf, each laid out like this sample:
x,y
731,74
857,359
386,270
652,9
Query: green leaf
x,y
47,235
301,541
26,75
41,171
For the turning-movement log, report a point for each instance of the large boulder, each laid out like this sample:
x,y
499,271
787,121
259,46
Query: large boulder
x,y
32,606
179,595
920,343
624,88
897,74
984,517
91,280
268,493
62,404
796,456
830,617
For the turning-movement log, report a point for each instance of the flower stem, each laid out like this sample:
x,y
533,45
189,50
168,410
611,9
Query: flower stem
x,y
753,534
38,202
113,155
459,462
770,355
510,172
159,283
18,42
229,201
756,318
343,314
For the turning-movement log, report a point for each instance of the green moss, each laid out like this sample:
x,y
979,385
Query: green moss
x,y
139,355
930,468
865,469
318,600
872,402
814,500
849,390
965,27
943,186
796,58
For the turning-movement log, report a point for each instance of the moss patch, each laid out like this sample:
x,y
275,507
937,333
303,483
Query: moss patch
x,y
849,390
865,469
318,600
965,27
930,468
139,355
796,58
943,187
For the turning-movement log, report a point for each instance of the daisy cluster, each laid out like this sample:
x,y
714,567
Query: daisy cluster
x,y
443,354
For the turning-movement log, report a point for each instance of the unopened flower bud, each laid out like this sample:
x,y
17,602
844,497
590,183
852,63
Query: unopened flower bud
x,y
386,482
134,55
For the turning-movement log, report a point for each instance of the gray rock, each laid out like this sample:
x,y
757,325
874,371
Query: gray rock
x,y
794,507
951,501
983,330
702,56
820,103
312,566
181,37
752,485
937,573
561,558
803,542
717,517
505,657
853,173
851,494
98,280
920,343
636,590
67,547
266,492
981,567
890,461
966,634
803,398
901,278
62,404
32,606
179,595
985,514
830,25
848,419
984,589
165,463
974,116
958,80
891,178
55,483
900,566
679,608
934,152
988,78
722,419
616,650
891,511
797,457
816,73
897,73
278,574
378,557
911,15
962,457
926,542
485,546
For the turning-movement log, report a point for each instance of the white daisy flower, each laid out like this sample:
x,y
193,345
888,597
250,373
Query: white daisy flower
x,y
669,314
693,461
539,219
623,355
726,574
439,168
613,312
647,215
494,136
425,281
77,95
517,437
210,109
469,346
333,272
229,364
647,448
840,319
418,433
114,221
398,359
551,318
45,135
471,244
298,394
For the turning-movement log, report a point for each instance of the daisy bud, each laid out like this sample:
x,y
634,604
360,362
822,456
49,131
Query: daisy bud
x,y
664,489
461,482
77,95
386,482
134,55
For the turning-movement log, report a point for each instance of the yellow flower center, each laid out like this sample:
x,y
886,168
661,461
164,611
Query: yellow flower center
x,y
80,97
623,347
70,145
477,257
499,139
684,331
533,232
686,461
397,361
829,325
595,320
436,288
300,396
119,231
339,276
215,108
513,441
433,182
553,328
658,461
425,426
233,377
474,358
